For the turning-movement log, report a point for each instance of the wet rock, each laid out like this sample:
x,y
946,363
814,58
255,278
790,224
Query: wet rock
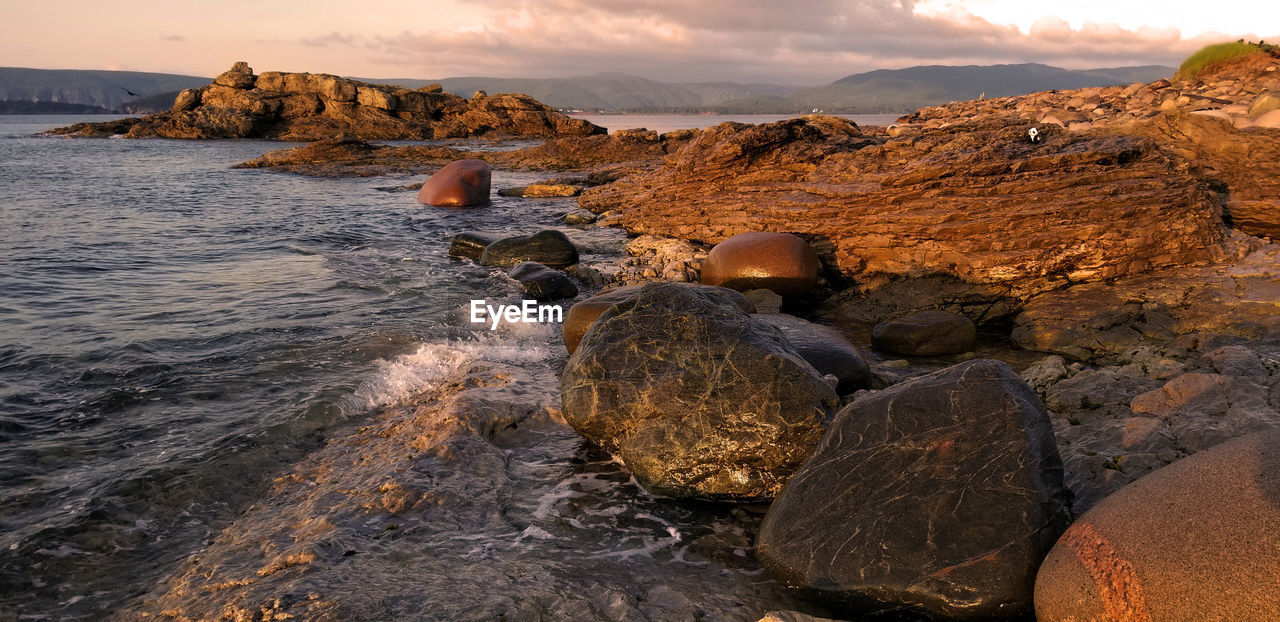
x,y
458,184
548,247
579,217
536,191
934,498
765,300
696,398
780,262
927,333
582,314
1186,542
543,283
824,348
470,245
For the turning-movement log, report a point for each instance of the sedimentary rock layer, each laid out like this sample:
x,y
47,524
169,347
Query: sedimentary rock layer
x,y
977,201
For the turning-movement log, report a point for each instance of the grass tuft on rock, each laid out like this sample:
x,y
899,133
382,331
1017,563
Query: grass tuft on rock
x,y
1211,54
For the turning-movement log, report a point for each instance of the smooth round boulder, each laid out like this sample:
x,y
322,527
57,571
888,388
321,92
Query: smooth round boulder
x,y
470,245
1195,540
824,348
582,314
543,283
693,396
460,183
926,333
780,262
1269,119
547,247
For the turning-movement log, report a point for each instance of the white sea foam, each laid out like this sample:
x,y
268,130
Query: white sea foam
x,y
408,374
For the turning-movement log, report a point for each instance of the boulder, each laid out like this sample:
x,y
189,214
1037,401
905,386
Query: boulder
x,y
240,76
548,247
1195,540
582,314
458,184
824,348
186,100
1265,102
780,262
927,333
935,498
543,283
1269,119
695,397
470,245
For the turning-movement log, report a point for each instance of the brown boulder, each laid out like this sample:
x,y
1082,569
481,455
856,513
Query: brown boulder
x,y
1195,540
582,314
780,262
458,184
927,333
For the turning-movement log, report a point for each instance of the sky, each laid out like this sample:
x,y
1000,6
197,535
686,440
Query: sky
x,y
775,41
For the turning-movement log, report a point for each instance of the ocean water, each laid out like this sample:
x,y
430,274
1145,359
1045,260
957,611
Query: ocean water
x,y
175,333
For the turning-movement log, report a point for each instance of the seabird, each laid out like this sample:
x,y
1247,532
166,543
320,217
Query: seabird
x,y
131,93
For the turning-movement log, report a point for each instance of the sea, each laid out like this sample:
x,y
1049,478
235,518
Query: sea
x,y
174,333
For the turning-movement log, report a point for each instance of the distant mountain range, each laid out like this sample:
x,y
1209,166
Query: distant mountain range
x,y
884,90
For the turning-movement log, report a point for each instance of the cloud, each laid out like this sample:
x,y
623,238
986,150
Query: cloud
x,y
751,40
173,38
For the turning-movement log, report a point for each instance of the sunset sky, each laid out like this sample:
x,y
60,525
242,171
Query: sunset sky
x,y
670,40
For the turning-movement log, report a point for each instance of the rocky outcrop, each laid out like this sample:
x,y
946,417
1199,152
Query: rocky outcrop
x,y
976,201
926,333
696,398
459,183
1191,541
307,107
780,262
937,498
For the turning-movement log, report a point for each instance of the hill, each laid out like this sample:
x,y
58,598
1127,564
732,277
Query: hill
x,y
104,89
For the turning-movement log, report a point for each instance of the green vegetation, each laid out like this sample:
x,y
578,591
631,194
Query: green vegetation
x,y
1216,53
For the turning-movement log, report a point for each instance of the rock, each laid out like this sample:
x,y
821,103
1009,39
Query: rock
x,y
824,348
792,616
765,300
470,245
543,283
538,191
1237,361
1269,120
935,498
1205,393
309,107
927,333
780,262
696,398
186,100
1186,542
579,217
973,200
548,247
458,184
1265,102
582,314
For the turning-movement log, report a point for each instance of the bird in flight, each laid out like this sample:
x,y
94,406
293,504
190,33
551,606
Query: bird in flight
x,y
131,93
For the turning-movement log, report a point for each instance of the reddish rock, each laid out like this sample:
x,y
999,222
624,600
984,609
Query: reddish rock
x,y
581,315
458,184
1195,540
973,200
780,262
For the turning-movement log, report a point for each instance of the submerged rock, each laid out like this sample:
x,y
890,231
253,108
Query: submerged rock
x,y
548,247
926,333
780,262
458,184
1195,540
583,314
470,244
936,497
543,283
695,397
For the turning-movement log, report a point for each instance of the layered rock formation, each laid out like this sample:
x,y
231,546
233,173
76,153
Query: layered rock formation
x,y
976,201
306,107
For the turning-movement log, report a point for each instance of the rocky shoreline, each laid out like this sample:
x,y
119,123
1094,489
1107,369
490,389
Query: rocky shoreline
x,y
1023,343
